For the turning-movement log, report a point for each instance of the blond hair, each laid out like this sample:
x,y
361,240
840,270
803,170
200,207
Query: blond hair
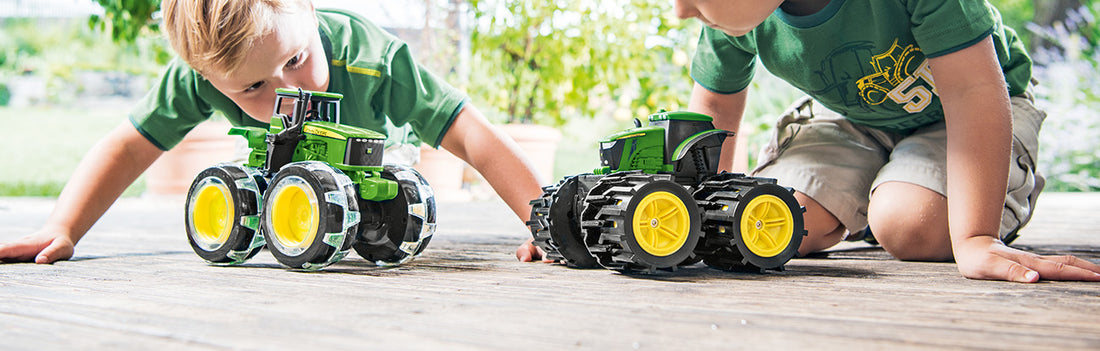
x,y
215,35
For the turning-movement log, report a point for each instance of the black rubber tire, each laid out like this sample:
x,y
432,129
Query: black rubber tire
x,y
610,208
724,199
337,215
798,231
405,223
555,224
233,187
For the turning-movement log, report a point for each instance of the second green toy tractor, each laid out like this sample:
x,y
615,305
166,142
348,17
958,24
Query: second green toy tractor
x,y
312,189
657,201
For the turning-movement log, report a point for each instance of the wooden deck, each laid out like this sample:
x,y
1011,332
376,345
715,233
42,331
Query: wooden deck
x,y
135,284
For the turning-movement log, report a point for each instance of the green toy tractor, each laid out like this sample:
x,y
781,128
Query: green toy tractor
x,y
658,202
311,190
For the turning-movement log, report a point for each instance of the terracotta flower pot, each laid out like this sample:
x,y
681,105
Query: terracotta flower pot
x,y
452,179
205,146
443,172
540,143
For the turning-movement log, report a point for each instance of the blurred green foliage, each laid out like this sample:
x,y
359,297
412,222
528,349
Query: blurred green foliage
x,y
44,164
549,61
126,20
559,61
58,49
1069,72
1016,14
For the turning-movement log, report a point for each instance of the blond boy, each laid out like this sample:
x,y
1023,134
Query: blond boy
x,y
233,55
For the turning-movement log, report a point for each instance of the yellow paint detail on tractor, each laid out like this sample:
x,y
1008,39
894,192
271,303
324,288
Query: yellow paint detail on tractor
x,y
322,132
630,136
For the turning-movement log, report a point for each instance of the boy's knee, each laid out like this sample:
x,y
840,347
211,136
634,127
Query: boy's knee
x,y
908,238
914,243
823,230
910,222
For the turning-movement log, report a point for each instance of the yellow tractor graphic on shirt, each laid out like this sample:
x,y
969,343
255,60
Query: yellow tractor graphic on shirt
x,y
893,69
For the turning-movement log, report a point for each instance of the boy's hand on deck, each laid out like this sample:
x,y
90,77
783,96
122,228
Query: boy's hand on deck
x,y
984,257
41,247
528,252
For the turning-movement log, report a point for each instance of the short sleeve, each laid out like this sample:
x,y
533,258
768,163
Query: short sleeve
x,y
941,27
412,95
172,108
723,64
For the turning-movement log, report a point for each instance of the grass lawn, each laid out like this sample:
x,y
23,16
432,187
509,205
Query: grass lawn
x,y
45,143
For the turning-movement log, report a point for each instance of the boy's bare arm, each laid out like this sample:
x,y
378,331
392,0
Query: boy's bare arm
x,y
727,110
103,174
497,157
979,133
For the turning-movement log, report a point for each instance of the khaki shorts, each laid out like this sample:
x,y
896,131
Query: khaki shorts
x,y
839,163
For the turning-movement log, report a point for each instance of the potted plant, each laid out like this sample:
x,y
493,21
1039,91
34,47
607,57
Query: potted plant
x,y
538,64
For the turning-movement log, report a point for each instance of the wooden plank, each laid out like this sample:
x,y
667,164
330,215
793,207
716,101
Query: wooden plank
x,y
135,284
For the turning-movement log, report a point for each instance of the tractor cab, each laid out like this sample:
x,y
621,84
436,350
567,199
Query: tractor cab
x,y
291,104
685,144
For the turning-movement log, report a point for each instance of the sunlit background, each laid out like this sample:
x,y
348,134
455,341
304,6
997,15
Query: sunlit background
x,y
70,70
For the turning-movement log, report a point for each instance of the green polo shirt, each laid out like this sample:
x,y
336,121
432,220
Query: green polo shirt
x,y
384,90
864,59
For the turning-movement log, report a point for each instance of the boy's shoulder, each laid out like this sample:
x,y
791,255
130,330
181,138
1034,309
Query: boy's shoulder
x,y
353,37
339,22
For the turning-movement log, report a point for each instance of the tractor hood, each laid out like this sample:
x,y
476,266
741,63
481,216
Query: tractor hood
x,y
339,131
631,133
679,116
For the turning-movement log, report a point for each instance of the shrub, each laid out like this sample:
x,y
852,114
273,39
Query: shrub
x,y
1069,154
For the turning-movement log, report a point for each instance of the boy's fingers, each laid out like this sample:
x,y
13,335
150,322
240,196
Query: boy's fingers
x,y
1074,261
57,250
17,252
1019,273
525,252
1066,268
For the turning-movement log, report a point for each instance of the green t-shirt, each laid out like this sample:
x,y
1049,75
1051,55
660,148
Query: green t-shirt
x,y
864,59
384,89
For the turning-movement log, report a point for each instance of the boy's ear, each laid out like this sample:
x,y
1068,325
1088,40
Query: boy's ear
x,y
313,10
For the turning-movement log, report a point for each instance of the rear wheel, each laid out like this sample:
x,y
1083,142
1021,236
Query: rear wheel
x,y
555,224
310,215
406,223
221,214
639,221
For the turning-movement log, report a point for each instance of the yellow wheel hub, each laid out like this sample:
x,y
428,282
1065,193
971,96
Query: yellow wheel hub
x,y
295,215
661,223
212,213
767,226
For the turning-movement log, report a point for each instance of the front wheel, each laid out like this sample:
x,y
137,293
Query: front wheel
x,y
221,214
771,226
406,222
751,224
310,215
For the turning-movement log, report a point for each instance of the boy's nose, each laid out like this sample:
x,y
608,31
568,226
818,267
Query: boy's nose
x,y
684,10
284,83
